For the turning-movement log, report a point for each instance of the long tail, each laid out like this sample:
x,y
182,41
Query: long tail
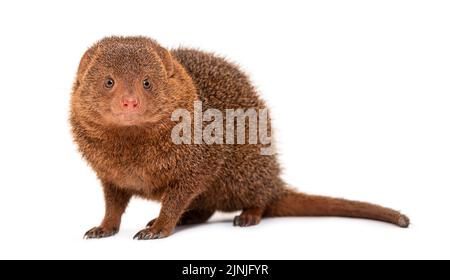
x,y
299,204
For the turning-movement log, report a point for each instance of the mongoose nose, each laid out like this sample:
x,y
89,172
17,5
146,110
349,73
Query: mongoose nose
x,y
130,103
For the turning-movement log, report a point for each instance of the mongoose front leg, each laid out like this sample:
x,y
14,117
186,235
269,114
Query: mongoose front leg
x,y
116,201
249,217
174,204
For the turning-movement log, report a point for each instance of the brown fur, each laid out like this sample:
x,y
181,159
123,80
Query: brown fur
x,y
133,154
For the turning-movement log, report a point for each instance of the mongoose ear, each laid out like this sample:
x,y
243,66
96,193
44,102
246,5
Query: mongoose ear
x,y
84,62
167,60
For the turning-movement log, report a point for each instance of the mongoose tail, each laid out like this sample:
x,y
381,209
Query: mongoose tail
x,y
300,204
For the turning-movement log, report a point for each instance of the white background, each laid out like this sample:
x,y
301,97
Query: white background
x,y
360,93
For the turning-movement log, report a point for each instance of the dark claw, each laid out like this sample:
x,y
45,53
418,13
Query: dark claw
x,y
148,233
236,221
99,232
245,221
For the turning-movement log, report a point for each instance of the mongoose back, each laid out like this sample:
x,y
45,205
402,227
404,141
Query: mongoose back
x,y
125,92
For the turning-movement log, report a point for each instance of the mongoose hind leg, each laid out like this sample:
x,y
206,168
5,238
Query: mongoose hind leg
x,y
249,217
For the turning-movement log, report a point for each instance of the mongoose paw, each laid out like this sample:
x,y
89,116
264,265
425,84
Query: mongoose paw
x,y
245,220
100,232
151,233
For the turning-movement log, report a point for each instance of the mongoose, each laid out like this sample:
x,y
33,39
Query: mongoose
x,y
125,91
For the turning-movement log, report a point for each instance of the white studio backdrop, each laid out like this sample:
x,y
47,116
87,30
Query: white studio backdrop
x,y
360,97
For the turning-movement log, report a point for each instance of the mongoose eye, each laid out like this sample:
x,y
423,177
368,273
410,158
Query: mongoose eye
x,y
146,84
109,83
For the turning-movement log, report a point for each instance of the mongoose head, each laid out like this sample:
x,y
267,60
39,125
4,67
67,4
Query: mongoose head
x,y
125,81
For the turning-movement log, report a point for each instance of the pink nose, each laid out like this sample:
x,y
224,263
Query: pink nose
x,y
130,103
